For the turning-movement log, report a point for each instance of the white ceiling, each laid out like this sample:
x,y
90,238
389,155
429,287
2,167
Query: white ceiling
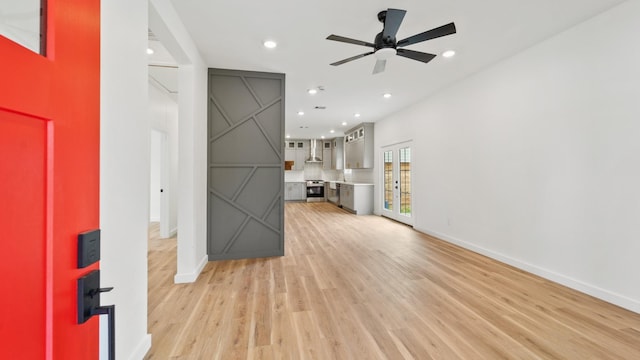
x,y
163,68
230,34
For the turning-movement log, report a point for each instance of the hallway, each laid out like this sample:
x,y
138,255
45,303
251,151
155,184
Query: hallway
x,y
364,287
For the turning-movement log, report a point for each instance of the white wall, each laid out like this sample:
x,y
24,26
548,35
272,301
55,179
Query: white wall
x,y
163,114
155,180
124,173
192,103
535,161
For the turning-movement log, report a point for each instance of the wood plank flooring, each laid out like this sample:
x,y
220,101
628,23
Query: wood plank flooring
x,y
364,287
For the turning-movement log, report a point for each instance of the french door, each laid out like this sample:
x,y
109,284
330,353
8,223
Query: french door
x,y
396,183
49,173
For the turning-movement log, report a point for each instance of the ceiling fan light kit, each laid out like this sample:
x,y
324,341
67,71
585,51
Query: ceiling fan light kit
x,y
270,44
385,44
385,53
448,53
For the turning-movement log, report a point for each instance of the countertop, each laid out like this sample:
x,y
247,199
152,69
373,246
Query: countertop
x,y
337,182
352,183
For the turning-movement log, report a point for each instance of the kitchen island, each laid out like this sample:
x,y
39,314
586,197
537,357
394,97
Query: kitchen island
x,y
354,197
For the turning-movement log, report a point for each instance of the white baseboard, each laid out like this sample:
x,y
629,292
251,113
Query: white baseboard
x,y
173,232
142,349
154,219
602,294
192,276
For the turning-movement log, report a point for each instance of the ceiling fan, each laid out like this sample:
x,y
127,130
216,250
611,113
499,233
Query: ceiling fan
x,y
385,44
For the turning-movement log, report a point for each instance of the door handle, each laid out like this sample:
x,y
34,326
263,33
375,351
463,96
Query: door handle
x,y
110,311
94,292
89,291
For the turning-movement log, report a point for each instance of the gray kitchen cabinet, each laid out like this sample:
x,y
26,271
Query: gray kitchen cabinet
x,y
296,151
295,191
357,198
346,196
301,156
289,155
288,191
337,154
358,147
327,162
354,154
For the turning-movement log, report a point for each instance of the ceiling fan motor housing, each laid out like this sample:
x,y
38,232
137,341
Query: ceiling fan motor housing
x,y
382,42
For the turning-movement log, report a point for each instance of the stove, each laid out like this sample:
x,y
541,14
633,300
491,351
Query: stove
x,y
315,190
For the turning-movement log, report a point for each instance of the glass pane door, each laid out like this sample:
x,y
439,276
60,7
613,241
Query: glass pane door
x,y
405,181
388,180
396,179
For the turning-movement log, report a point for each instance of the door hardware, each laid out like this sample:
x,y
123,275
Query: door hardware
x,y
89,305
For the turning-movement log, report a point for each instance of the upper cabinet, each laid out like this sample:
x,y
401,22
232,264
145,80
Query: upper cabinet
x,y
327,161
337,154
296,151
358,147
296,144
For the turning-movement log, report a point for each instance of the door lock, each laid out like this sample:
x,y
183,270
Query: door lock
x,y
89,291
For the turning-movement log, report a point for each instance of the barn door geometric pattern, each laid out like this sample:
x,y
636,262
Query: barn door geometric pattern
x,y
245,215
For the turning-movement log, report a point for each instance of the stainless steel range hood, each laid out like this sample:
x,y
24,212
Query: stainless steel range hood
x,y
315,151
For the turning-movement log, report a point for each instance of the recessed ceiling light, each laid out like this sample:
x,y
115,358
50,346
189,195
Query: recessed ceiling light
x,y
356,115
270,44
322,137
387,95
288,136
332,131
301,113
344,123
150,51
448,53
312,91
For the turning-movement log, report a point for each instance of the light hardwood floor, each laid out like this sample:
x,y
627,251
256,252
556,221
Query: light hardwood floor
x,y
364,287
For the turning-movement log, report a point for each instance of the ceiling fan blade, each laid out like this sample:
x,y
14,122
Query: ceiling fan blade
x,y
350,41
415,55
380,65
392,22
351,59
443,30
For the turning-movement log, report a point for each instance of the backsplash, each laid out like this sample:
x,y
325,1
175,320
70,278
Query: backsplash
x,y
333,175
359,176
294,176
313,172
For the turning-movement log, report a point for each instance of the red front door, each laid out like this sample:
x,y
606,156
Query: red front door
x,y
49,173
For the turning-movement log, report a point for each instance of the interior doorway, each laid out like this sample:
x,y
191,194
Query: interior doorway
x,y
159,182
396,182
163,112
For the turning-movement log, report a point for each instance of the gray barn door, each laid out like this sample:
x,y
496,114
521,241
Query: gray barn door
x,y
246,164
